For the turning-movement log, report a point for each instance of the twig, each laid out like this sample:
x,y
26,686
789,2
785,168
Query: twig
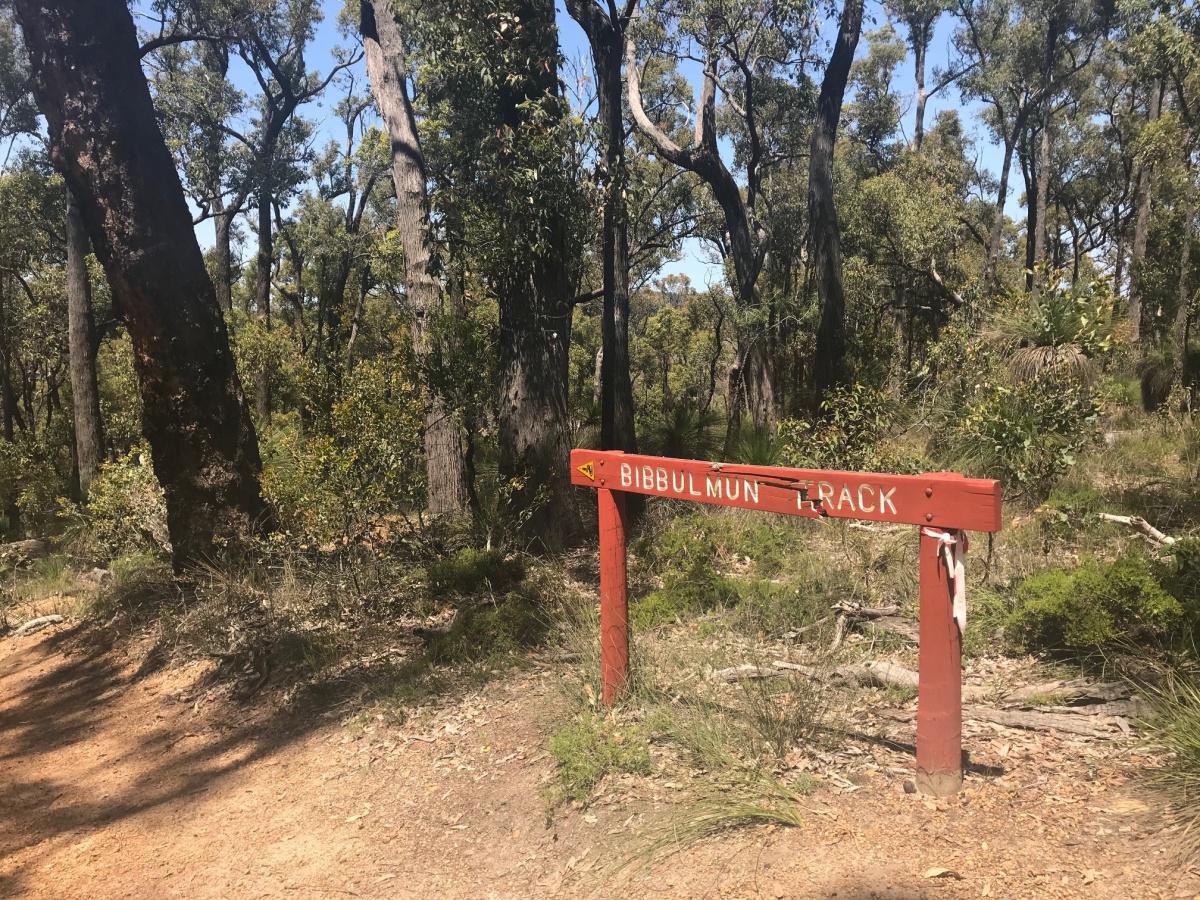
x,y
1147,530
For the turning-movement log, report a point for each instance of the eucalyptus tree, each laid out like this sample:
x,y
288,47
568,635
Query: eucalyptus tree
x,y
447,487
106,141
606,26
998,46
919,18
748,50
824,234
510,199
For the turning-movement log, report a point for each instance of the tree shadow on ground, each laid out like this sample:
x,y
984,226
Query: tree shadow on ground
x,y
75,687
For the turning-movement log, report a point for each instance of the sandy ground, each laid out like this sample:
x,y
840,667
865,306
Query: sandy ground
x,y
116,785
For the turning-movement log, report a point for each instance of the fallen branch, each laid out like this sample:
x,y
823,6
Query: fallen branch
x,y
865,612
1031,721
1148,531
1075,692
1037,721
36,625
895,625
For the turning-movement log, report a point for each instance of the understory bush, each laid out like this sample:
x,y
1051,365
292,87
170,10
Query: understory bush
x,y
591,747
1025,434
850,433
492,630
1097,605
469,571
126,512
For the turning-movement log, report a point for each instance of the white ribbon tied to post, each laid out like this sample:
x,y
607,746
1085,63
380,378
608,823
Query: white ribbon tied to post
x,y
953,548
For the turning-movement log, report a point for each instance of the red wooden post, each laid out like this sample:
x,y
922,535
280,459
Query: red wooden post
x,y
939,700
614,608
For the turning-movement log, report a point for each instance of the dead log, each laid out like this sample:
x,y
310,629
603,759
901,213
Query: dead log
x,y
895,625
747,672
1073,691
37,624
854,611
1148,531
1085,726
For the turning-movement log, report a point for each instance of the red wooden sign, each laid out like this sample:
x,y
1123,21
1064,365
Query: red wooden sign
x,y
943,503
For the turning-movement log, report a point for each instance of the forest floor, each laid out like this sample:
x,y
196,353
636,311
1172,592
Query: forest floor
x,y
118,783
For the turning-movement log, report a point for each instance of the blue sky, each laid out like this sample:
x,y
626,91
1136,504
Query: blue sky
x,y
694,262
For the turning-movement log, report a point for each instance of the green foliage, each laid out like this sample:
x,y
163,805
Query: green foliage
x,y
470,571
591,747
34,476
1064,327
779,584
1026,434
1095,606
334,486
125,512
850,434
492,631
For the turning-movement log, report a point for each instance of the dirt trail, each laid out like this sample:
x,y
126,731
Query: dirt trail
x,y
115,787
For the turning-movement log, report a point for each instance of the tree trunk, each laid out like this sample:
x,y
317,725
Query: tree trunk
x,y
752,381
215,57
1141,225
997,231
105,139
1029,172
919,47
12,511
262,292
537,300
223,256
607,40
89,431
445,457
824,236
1043,167
1183,312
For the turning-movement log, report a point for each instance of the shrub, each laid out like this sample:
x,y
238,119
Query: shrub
x,y
335,485
469,571
32,479
591,747
490,631
850,433
1095,606
1028,434
126,513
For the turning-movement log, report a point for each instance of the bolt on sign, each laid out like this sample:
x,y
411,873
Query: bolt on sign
x,y
943,505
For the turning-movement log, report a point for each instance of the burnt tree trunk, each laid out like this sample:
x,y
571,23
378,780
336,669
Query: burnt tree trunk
x,y
445,457
537,300
606,36
81,330
106,141
824,236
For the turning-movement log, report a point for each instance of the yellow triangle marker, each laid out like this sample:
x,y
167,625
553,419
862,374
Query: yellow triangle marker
x,y
588,469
